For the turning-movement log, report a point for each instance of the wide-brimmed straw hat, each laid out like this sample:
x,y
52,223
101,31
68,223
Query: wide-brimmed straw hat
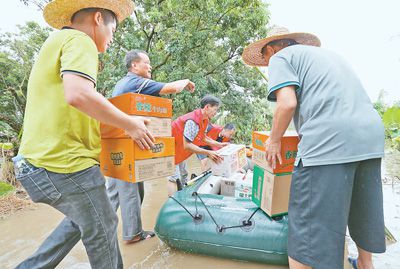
x,y
58,13
252,53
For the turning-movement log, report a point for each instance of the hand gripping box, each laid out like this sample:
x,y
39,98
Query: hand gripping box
x,y
123,159
158,127
271,191
143,105
289,144
234,159
156,109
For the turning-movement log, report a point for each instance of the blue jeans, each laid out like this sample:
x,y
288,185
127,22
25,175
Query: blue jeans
x,y
82,198
128,196
180,173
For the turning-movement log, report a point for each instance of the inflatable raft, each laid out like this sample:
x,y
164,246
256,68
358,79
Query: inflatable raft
x,y
198,220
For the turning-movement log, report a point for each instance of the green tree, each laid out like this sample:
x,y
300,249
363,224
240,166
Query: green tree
x,y
17,54
202,41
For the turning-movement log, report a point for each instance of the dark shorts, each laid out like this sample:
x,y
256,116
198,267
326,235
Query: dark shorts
x,y
324,200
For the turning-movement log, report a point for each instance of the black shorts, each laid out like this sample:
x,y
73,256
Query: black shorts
x,y
324,200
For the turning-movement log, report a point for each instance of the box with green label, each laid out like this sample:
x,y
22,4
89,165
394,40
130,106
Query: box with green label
x,y
271,191
289,143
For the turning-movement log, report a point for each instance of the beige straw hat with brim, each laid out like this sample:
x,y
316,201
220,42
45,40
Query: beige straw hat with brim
x,y
252,53
58,13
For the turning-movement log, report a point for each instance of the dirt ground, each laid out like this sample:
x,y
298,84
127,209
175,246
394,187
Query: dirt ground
x,y
13,202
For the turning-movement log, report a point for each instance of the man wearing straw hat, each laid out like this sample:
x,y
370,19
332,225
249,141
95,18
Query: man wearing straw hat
x,y
59,155
337,178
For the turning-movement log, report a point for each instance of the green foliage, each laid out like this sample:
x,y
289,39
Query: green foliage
x,y
6,146
392,116
5,188
201,41
198,40
17,54
380,104
391,120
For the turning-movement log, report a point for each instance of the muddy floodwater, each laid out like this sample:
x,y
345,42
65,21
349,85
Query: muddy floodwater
x,y
23,232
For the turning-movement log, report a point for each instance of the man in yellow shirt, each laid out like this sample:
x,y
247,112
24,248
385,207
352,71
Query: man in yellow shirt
x,y
59,155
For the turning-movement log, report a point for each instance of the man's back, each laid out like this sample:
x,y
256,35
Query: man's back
x,y
331,104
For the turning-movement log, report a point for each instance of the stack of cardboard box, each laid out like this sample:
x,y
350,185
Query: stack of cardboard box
x,y
122,158
230,170
238,185
271,187
234,159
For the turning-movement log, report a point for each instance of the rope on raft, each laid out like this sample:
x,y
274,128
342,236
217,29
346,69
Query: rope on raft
x,y
220,228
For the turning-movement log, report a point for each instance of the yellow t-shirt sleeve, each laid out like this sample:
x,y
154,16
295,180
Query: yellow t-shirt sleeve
x,y
79,56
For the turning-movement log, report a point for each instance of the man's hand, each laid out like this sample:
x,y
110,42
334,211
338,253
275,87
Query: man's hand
x,y
223,144
285,108
80,93
273,152
214,156
139,133
190,86
178,86
184,84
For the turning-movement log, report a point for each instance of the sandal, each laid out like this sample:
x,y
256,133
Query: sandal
x,y
144,235
353,262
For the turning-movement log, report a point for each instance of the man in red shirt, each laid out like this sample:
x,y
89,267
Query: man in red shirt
x,y
189,131
219,134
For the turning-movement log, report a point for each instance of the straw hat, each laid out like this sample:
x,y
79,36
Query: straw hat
x,y
58,13
252,53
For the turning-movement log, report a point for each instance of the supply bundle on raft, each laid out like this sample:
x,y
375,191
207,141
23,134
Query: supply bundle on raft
x,y
199,220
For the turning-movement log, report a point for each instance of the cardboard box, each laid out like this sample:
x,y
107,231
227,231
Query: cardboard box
x,y
228,184
123,159
154,168
289,144
143,105
244,186
234,159
271,192
158,127
228,187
